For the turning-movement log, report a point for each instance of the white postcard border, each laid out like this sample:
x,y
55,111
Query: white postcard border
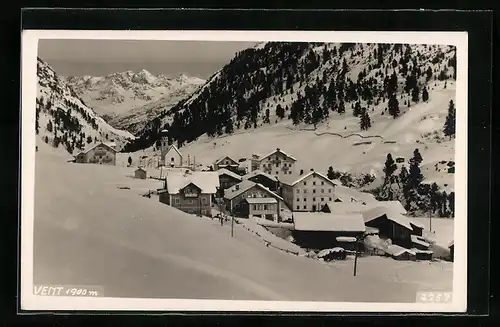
x,y
29,90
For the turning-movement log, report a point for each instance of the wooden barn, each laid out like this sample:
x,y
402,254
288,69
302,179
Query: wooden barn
x,y
260,177
390,224
141,173
319,230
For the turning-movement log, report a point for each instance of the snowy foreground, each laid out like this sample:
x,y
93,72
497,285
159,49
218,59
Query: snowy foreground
x,y
88,231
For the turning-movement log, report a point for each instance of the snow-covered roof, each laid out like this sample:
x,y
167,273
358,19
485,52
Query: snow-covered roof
x,y
245,185
278,150
346,239
261,200
452,243
394,216
416,223
348,193
224,171
207,181
418,240
260,173
345,207
174,148
394,206
320,221
224,157
293,179
93,146
326,252
397,250
415,250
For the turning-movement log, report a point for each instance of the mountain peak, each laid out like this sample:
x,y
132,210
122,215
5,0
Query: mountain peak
x,y
144,77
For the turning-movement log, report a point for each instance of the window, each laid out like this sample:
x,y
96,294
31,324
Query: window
x,y
284,165
305,207
298,207
305,199
298,199
177,200
203,200
314,182
265,206
277,172
254,207
298,190
172,159
329,199
290,172
305,183
305,190
322,182
277,164
322,199
314,199
329,190
314,191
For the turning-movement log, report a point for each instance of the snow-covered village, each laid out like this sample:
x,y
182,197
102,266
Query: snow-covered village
x,y
290,171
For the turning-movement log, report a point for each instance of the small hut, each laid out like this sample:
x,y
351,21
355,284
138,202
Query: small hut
x,y
141,173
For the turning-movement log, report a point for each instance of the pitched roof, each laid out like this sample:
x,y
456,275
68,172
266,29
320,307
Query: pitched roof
x,y
261,200
394,216
345,207
294,178
224,171
244,186
348,193
261,173
207,181
224,157
394,206
418,240
175,149
319,221
140,168
279,151
397,250
93,146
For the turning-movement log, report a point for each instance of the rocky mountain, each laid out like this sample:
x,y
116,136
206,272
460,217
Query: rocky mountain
x,y
307,84
64,120
127,99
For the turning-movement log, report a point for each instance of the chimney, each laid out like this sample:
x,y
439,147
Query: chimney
x,y
237,187
301,172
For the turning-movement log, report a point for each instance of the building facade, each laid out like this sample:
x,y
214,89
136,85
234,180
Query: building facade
x,y
100,153
190,199
172,157
266,208
227,163
277,163
309,192
141,173
234,197
191,192
269,181
227,179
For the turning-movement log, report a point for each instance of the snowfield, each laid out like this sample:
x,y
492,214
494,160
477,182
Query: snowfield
x,y
88,231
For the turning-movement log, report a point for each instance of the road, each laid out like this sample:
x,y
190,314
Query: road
x,y
89,232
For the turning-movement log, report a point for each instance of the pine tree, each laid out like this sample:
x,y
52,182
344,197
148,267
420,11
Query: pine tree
x,y
330,173
434,197
266,118
280,112
341,108
425,94
417,156
49,126
393,106
449,125
389,168
89,139
415,94
357,109
229,126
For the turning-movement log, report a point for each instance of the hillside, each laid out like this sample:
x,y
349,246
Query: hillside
x,y
64,120
147,249
127,99
307,84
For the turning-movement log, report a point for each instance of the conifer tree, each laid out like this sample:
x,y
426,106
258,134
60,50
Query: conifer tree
x,y
425,94
341,108
330,173
449,125
393,106
389,167
415,94
357,109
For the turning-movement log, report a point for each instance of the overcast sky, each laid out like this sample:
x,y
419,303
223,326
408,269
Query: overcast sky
x,y
102,57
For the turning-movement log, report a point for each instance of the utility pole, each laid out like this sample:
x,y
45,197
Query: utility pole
x,y
232,224
356,255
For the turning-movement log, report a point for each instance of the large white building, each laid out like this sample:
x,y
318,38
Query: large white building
x,y
276,163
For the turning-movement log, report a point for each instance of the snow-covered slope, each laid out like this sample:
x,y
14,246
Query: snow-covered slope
x,y
128,99
64,120
311,83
